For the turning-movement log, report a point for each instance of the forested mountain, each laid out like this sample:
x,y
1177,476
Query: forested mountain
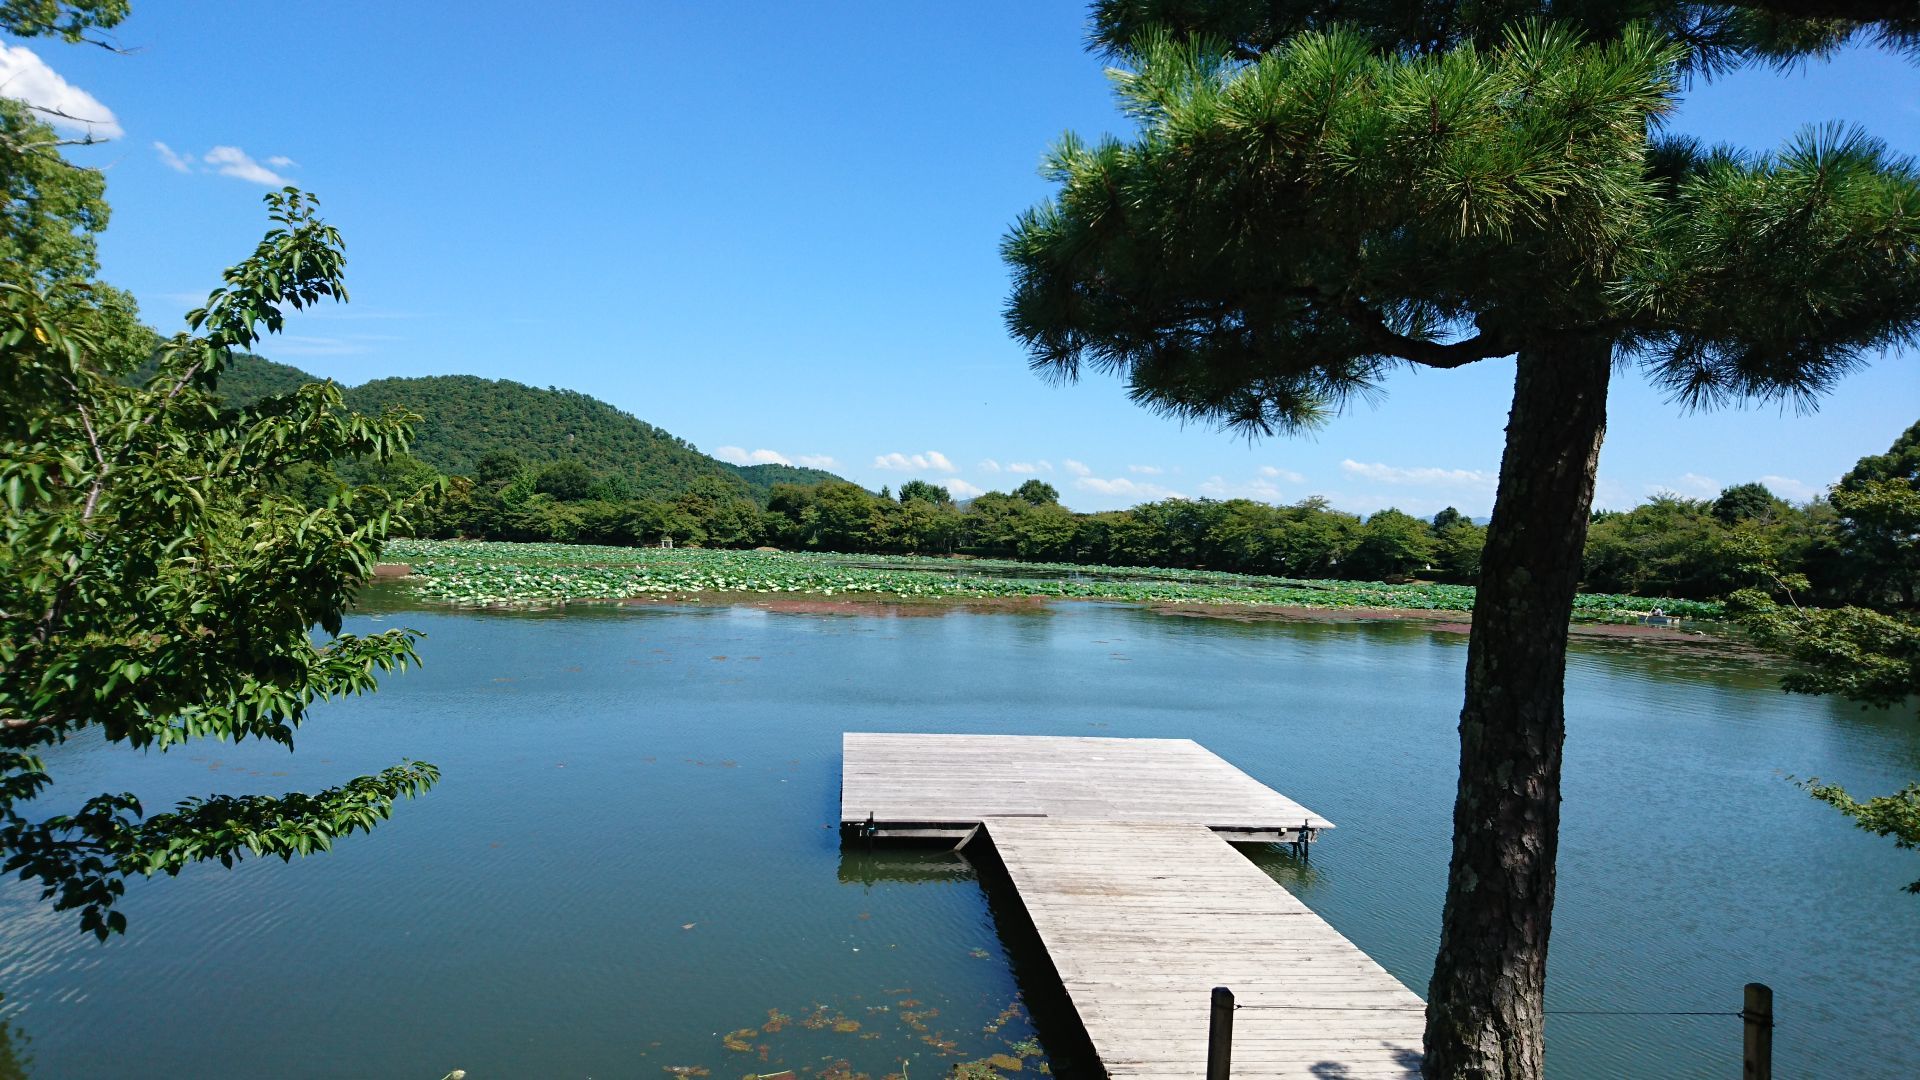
x,y
467,417
761,478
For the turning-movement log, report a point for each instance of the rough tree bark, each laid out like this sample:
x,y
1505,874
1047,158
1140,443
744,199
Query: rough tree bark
x,y
1484,1016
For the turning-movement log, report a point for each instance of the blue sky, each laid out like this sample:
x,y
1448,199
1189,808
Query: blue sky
x,y
772,229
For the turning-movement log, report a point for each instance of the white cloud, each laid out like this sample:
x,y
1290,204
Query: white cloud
x,y
1121,485
1419,476
233,161
1259,488
990,465
932,459
960,489
1146,470
1273,473
1692,485
24,76
1790,489
176,162
1030,466
740,455
815,461
1077,468
282,161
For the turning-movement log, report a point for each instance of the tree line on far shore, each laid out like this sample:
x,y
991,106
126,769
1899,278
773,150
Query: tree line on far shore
x,y
1832,548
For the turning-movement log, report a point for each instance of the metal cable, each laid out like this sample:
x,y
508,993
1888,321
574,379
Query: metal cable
x,y
1549,1012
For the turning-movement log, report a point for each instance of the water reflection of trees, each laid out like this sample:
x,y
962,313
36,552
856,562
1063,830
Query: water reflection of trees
x,y
13,1055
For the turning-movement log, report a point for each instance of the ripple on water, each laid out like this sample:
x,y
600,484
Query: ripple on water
x,y
629,862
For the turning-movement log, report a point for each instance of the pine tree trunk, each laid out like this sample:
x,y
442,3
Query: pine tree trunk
x,y
1484,1015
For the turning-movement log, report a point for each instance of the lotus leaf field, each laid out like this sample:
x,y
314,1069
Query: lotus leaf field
x,y
488,574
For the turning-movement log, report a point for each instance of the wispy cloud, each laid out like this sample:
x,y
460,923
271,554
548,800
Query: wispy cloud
x,y
739,455
1418,476
227,161
172,160
932,460
1121,485
1030,466
1146,470
25,77
1692,485
1274,472
990,466
961,489
1788,488
308,345
235,162
1261,488
815,461
1078,469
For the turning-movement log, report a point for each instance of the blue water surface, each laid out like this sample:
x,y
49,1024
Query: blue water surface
x,y
633,854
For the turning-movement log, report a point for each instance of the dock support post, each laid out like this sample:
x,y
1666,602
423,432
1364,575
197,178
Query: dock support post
x,y
1758,1014
1220,1035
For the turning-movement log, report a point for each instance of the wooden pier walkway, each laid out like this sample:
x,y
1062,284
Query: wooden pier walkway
x,y
1118,850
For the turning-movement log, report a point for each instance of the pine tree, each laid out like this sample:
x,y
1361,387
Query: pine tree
x,y
1309,207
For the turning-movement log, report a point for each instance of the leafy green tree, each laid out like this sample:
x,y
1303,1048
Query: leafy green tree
x,y
158,588
1037,492
923,526
992,523
923,491
1896,815
52,209
1305,210
1314,540
1746,502
723,514
1667,546
1869,654
1855,652
1457,551
68,19
1240,536
1879,506
1446,519
498,468
1045,533
833,517
567,481
1391,544
402,476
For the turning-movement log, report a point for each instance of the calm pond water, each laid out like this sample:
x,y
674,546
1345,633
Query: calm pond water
x,y
633,852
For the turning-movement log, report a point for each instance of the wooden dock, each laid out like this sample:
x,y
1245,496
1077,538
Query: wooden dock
x,y
1118,851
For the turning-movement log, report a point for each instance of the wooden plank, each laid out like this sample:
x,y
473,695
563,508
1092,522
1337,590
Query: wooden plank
x,y
963,779
1142,907
1143,919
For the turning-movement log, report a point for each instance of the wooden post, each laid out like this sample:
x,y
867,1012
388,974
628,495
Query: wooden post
x,y
1220,1035
1758,1014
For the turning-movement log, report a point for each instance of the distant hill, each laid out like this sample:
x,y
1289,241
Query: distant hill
x,y
761,478
466,417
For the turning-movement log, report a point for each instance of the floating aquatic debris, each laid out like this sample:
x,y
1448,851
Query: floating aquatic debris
x,y
740,1041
